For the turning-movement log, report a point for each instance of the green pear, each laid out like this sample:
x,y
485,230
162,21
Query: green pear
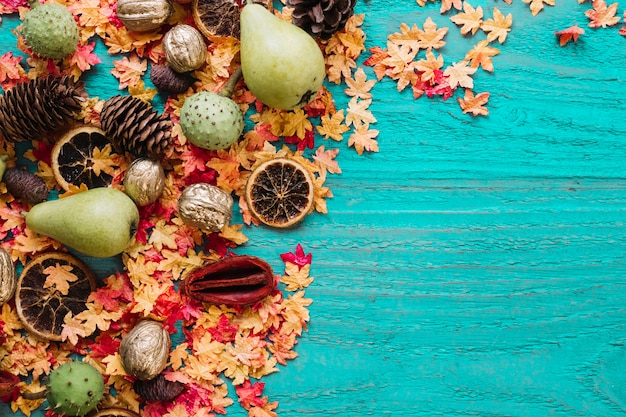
x,y
282,65
99,222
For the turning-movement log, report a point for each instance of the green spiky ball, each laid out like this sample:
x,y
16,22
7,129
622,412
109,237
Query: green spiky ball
x,y
211,121
75,388
50,30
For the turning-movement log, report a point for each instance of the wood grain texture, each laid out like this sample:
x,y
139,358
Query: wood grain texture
x,y
475,266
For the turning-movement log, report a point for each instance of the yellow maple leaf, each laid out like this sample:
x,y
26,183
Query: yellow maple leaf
x,y
297,123
459,75
408,36
267,410
359,86
537,5
325,159
339,66
498,26
358,112
59,276
296,278
332,127
146,294
470,19
178,356
448,4
233,233
114,365
73,329
140,91
431,37
399,58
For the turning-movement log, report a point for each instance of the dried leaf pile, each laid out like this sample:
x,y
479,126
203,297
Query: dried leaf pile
x,y
241,344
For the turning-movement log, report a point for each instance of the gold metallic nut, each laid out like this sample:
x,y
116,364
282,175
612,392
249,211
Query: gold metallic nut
x,y
205,206
144,351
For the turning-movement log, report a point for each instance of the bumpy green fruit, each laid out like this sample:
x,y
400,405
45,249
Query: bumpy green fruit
x,y
99,222
211,121
3,165
75,388
50,30
282,64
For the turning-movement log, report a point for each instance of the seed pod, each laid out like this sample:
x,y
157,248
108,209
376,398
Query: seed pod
x,y
144,181
158,389
166,79
8,278
205,206
115,412
25,186
143,15
184,48
145,349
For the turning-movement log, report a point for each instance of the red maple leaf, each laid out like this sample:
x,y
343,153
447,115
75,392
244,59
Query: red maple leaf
x,y
307,142
103,346
224,332
571,33
298,257
251,394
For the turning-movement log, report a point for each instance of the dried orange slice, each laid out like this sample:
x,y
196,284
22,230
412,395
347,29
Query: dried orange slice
x,y
280,192
216,17
84,156
50,286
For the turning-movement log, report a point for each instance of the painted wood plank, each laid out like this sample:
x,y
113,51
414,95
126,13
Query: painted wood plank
x,y
475,266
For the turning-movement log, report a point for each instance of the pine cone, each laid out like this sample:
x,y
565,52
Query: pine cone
x,y
25,186
133,125
158,389
37,107
321,18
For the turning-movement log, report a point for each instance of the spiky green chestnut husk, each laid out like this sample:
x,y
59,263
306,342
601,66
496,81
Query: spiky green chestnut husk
x,y
211,121
50,30
75,388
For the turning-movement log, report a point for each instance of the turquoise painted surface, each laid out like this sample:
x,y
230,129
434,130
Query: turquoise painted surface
x,y
475,266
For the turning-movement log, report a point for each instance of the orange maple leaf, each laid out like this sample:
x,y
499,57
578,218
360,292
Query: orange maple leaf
x,y
364,139
480,55
601,15
129,70
428,66
359,86
570,34
358,112
408,36
326,161
474,104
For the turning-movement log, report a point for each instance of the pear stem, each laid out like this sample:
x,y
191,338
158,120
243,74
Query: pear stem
x,y
228,88
34,3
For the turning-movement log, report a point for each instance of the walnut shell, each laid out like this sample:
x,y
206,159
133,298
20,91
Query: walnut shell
x,y
184,47
144,181
144,351
205,206
8,278
144,15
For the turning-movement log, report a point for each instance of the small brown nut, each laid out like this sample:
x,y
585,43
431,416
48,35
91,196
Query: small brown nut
x,y
184,47
115,412
205,206
144,181
8,278
145,349
166,79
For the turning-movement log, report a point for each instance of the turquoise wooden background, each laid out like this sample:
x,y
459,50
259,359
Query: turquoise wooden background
x,y
475,265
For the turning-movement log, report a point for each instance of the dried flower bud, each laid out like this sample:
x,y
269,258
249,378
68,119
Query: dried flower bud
x,y
158,389
26,186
